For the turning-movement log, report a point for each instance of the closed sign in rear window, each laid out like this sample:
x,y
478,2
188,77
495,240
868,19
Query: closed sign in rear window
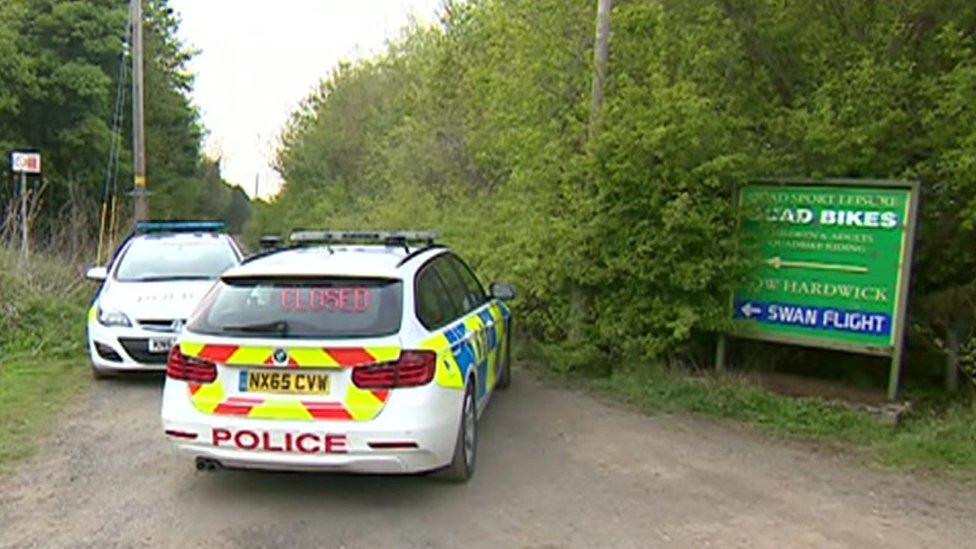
x,y
301,308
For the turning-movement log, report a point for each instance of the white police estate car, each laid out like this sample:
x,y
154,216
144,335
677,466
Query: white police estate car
x,y
149,289
348,352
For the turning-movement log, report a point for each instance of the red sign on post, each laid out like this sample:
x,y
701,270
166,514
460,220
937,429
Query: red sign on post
x,y
25,162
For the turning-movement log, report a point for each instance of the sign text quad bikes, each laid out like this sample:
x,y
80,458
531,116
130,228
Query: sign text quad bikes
x,y
832,263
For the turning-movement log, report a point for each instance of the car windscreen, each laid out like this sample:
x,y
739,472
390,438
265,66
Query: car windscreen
x,y
300,308
158,259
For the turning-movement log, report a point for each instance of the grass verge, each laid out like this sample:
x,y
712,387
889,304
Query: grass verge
x,y
31,396
939,437
42,323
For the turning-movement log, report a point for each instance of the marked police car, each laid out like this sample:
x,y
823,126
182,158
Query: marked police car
x,y
149,289
354,352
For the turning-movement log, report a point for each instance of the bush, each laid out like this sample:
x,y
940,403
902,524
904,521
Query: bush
x,y
480,127
42,348
43,309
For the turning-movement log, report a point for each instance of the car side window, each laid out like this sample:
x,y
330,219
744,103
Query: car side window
x,y
475,295
457,292
434,308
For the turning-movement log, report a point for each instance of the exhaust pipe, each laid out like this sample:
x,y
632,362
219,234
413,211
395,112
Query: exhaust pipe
x,y
208,464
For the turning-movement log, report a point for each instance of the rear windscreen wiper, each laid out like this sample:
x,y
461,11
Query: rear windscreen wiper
x,y
279,327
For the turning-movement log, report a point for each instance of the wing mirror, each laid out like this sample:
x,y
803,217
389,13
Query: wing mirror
x,y
98,274
504,292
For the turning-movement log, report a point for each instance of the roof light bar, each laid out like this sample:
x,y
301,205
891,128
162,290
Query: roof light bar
x,y
270,242
390,238
144,227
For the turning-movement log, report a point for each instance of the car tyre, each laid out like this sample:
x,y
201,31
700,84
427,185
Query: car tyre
x,y
466,447
505,375
99,373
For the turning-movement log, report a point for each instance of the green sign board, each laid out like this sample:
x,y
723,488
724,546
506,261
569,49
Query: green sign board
x,y
832,263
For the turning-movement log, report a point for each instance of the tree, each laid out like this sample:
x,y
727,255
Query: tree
x,y
476,127
59,70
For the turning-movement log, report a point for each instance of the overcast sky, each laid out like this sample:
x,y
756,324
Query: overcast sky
x,y
259,58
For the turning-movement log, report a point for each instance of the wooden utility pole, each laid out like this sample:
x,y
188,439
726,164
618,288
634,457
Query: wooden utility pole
x,y
139,193
601,58
952,359
579,299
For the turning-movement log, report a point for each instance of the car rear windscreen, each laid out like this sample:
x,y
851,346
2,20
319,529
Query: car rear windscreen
x,y
318,308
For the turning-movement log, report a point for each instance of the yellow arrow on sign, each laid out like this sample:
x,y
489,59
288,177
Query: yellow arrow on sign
x,y
779,263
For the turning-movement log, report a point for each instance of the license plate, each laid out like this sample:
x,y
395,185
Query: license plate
x,y
161,344
293,383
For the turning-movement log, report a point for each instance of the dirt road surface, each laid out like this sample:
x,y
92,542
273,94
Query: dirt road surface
x,y
556,469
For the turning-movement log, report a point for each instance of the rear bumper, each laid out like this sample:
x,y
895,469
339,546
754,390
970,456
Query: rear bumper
x,y
427,417
401,462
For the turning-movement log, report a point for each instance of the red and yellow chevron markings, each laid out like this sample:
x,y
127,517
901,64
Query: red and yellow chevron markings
x,y
237,406
298,357
357,405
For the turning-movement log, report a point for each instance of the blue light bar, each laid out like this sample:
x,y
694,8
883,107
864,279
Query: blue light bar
x,y
144,227
398,238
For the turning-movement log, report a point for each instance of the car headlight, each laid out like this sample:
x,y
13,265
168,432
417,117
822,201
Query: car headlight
x,y
113,318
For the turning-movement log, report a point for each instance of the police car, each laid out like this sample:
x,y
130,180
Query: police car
x,y
353,352
149,289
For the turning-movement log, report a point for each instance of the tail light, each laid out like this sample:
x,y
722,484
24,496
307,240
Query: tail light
x,y
184,368
413,369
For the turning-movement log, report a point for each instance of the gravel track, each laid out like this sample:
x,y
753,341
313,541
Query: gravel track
x,y
556,469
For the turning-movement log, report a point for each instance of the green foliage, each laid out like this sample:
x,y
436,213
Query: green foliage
x,y
42,311
59,69
41,307
32,394
930,438
479,127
